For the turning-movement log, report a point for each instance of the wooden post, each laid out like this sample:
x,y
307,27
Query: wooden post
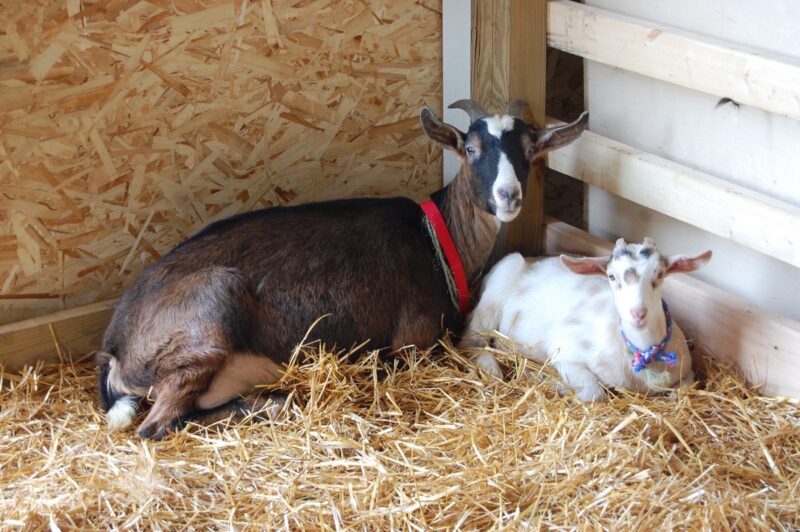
x,y
509,60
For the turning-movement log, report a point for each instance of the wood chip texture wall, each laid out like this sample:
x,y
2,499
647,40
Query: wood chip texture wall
x,y
126,125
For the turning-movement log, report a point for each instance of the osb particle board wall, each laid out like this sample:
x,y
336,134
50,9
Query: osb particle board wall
x,y
126,125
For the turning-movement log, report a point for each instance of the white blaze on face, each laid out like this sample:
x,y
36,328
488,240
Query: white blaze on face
x,y
506,189
497,124
506,185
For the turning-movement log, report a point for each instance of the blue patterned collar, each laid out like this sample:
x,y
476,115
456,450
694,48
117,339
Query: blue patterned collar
x,y
642,357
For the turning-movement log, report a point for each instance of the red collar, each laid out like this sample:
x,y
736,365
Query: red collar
x,y
436,220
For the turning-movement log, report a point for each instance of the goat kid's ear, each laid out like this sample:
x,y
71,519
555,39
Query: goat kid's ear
x,y
551,138
445,134
685,264
585,265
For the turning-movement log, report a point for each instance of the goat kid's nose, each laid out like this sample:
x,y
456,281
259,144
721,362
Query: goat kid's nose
x,y
639,313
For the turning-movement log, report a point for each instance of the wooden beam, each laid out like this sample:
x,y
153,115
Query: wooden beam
x,y
749,76
764,345
510,61
76,331
752,219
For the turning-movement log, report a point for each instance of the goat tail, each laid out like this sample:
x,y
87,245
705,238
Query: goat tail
x,y
120,407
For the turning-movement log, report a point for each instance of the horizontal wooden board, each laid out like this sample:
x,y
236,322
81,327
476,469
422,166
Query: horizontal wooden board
x,y
731,211
74,332
749,76
764,345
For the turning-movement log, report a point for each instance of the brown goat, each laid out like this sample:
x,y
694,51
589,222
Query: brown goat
x,y
223,311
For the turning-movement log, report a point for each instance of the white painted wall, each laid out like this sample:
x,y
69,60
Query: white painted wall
x,y
746,146
456,29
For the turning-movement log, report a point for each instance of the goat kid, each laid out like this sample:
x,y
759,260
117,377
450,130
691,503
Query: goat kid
x,y
222,312
560,310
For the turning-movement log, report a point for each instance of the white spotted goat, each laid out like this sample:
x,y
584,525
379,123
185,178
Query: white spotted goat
x,y
600,321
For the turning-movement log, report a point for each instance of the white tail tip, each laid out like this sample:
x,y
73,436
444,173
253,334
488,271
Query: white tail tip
x,y
121,413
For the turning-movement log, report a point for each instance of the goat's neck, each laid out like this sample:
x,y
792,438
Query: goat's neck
x,y
474,230
651,335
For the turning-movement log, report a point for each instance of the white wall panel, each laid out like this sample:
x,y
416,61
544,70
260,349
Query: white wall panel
x,y
747,146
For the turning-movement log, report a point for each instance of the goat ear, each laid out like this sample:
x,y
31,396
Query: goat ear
x,y
685,264
551,138
585,265
444,134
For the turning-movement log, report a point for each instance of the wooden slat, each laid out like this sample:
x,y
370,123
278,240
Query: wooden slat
x,y
749,76
77,331
764,345
506,30
752,219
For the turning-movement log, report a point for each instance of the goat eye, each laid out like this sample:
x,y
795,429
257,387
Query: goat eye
x,y
611,277
470,150
660,275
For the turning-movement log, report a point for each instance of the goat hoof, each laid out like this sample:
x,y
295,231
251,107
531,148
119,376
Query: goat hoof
x,y
156,432
152,433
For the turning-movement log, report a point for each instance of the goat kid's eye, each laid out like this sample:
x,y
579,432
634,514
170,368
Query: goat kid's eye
x,y
471,151
611,278
661,275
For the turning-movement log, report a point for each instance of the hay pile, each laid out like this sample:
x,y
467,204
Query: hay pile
x,y
428,445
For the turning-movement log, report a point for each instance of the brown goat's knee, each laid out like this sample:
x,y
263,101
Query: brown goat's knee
x,y
181,378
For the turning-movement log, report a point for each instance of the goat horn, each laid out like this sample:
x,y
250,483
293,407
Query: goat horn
x,y
517,108
472,108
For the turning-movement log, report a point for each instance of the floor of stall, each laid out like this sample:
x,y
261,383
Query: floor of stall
x,y
429,445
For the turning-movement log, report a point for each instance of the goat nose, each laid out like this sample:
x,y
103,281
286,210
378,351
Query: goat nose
x,y
508,195
639,313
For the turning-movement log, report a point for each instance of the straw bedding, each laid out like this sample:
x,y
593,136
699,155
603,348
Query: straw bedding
x,y
419,442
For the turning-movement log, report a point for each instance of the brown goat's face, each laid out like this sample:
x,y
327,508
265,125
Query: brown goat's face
x,y
498,152
494,149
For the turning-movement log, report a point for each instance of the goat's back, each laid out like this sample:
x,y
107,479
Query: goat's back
x,y
266,276
540,302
